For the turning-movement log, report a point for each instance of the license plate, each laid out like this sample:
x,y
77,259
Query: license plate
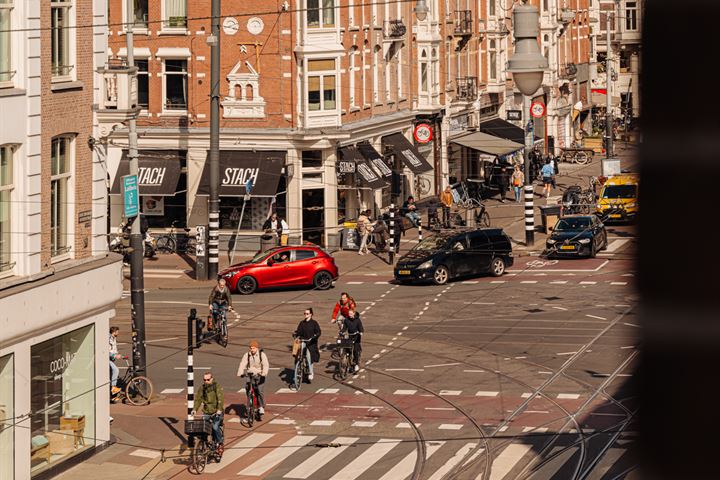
x,y
404,272
615,215
567,247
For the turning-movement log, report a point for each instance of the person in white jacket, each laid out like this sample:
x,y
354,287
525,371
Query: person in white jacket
x,y
256,362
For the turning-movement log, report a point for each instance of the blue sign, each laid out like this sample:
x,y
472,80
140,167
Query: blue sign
x,y
130,194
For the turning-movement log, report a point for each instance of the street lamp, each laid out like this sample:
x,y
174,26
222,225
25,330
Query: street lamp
x,y
421,10
527,66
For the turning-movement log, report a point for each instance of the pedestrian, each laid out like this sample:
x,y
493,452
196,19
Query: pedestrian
x,y
308,331
547,173
285,234
410,211
363,229
446,198
503,182
380,233
554,169
274,226
518,180
256,362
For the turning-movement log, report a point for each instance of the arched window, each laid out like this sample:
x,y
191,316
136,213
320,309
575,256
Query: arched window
x,y
249,92
237,92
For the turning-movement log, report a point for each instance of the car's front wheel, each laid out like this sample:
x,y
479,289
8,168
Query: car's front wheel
x,y
497,268
322,280
246,285
441,275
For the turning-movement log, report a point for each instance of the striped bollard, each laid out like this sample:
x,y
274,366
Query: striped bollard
x,y
392,234
529,216
213,243
420,232
190,374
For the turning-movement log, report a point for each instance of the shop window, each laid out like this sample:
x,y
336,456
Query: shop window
x,y
170,210
256,211
62,397
312,159
7,417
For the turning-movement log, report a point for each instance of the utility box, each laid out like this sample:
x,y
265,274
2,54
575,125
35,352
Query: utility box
x,y
550,214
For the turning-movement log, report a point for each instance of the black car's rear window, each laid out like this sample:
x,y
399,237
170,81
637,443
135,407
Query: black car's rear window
x,y
579,223
620,191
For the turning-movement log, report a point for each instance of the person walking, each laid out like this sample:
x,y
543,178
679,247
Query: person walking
x,y
114,370
274,226
518,180
308,331
363,229
256,362
285,233
503,182
446,198
547,173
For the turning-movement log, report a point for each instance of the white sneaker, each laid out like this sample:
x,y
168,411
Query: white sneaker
x,y
310,377
111,419
261,411
357,368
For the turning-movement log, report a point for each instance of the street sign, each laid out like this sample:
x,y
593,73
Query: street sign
x,y
423,133
514,115
537,109
130,194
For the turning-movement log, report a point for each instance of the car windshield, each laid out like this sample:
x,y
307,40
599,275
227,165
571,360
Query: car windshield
x,y
258,257
430,244
579,223
620,191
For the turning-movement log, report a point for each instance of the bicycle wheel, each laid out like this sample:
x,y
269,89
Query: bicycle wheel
x,y
222,336
298,374
343,365
166,244
250,408
139,391
581,158
198,456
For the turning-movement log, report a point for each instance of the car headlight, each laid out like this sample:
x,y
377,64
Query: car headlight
x,y
228,275
584,241
427,264
550,241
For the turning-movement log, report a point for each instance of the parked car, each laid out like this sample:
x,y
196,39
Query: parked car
x,y
577,235
619,198
288,266
445,256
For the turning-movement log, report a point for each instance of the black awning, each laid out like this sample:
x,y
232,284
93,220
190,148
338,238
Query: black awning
x,y
368,177
410,155
374,159
500,128
158,172
349,157
261,168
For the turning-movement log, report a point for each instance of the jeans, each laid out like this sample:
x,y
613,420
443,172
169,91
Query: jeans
x,y
217,421
309,359
217,312
446,215
114,373
259,384
518,189
414,218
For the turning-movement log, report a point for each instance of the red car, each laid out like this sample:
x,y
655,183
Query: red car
x,y
283,267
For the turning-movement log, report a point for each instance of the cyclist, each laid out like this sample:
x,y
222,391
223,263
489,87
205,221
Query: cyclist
x,y
354,327
309,331
114,371
340,312
212,398
256,362
219,301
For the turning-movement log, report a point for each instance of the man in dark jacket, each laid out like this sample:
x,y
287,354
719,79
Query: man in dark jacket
x,y
354,327
273,225
309,331
503,182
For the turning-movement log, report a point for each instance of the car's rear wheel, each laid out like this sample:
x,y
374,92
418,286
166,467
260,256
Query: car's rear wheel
x,y
497,268
322,280
441,275
246,285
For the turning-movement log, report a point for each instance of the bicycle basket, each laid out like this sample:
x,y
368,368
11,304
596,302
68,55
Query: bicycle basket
x,y
344,343
198,426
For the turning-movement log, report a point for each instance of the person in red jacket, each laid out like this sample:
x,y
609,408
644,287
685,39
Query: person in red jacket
x,y
342,307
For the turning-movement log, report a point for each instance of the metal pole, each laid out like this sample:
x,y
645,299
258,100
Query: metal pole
x,y
529,193
392,234
137,284
214,211
237,233
608,78
190,373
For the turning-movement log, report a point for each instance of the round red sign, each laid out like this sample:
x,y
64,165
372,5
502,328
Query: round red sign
x,y
423,133
537,109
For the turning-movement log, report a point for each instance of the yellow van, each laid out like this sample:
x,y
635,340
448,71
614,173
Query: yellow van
x,y
619,198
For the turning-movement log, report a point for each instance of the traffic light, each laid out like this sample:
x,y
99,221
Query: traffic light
x,y
199,326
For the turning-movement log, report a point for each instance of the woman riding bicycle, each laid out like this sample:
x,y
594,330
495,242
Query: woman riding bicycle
x,y
308,331
354,328
255,362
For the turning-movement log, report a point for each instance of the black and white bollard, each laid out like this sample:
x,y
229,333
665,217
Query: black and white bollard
x,y
529,216
420,232
190,374
392,235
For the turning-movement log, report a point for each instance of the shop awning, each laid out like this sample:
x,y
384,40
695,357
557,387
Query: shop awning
x,y
504,129
158,172
368,177
261,168
410,155
375,159
349,157
483,142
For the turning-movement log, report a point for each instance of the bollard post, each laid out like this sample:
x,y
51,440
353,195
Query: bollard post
x,y
190,374
420,232
392,234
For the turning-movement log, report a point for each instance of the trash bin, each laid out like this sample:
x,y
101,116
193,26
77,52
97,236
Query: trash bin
x,y
267,241
550,215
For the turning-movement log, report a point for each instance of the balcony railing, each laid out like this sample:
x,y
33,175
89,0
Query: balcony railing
x,y
394,29
466,88
463,22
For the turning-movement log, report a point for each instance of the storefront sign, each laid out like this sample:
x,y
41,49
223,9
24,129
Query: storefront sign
x,y
240,176
515,115
423,133
151,177
158,172
262,169
346,167
59,365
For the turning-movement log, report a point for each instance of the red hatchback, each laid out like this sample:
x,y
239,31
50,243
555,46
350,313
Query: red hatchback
x,y
291,266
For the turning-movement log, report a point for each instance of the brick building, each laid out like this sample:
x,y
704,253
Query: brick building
x,y
58,284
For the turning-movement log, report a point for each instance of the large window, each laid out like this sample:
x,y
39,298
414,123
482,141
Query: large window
x,y
6,188
60,39
320,13
175,15
7,420
491,8
176,87
493,61
6,70
143,84
140,14
61,159
631,14
62,397
321,85
423,72
352,72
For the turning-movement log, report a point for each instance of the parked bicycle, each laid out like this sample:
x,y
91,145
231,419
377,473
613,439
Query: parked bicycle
x,y
422,185
252,405
576,200
345,348
173,243
205,449
135,389
301,366
465,200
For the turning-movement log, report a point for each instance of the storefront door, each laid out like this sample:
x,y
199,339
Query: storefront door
x,y
313,215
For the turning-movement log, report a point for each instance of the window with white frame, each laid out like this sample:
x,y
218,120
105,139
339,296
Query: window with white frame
x,y
491,8
448,69
320,13
376,72
175,15
351,13
60,25
352,71
434,72
399,71
424,67
7,185
492,58
139,14
631,16
321,92
143,82
61,157
6,64
175,84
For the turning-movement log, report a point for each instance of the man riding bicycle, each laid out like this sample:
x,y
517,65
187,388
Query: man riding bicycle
x,y
256,362
340,312
212,399
219,302
354,328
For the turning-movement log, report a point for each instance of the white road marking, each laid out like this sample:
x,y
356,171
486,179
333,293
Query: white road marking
x,y
404,392
237,450
526,395
470,282
507,459
568,396
566,353
474,371
499,281
363,424
537,411
442,365
286,390
282,421
450,426
631,324
560,308
321,458
535,429
474,456
406,466
275,457
559,282
328,390
440,408
595,316
616,244
450,392
404,369
173,390
382,283
322,423
588,283
355,283
141,452
529,281
618,283
370,457
486,394
450,464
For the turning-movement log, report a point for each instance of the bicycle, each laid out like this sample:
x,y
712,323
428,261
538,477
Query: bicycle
x,y
136,389
465,200
204,450
251,407
482,218
173,243
220,329
301,366
346,350
422,185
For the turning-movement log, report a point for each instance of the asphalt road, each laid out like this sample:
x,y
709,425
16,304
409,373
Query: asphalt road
x,y
525,376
